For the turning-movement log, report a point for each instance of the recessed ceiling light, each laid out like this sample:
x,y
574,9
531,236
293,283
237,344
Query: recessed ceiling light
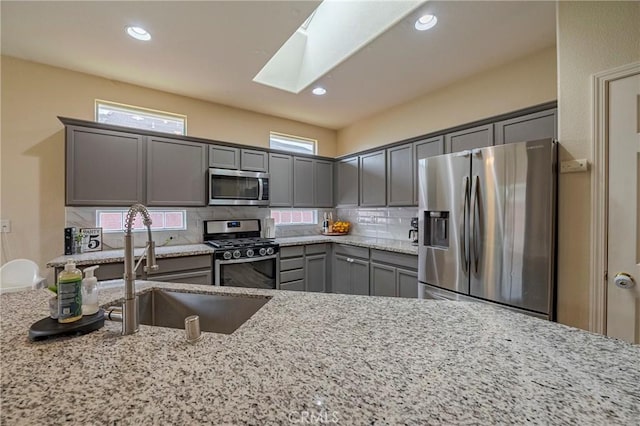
x,y
139,33
426,22
319,91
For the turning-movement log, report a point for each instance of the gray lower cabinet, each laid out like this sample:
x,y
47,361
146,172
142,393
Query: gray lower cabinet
x,y
281,180
400,175
203,277
185,269
304,268
424,149
346,182
323,183
530,127
350,270
476,137
224,157
254,161
394,274
373,183
303,182
176,173
104,168
315,272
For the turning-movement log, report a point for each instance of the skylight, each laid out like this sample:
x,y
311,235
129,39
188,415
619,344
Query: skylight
x,y
332,33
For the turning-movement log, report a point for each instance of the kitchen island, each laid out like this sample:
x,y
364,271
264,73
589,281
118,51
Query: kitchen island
x,y
323,357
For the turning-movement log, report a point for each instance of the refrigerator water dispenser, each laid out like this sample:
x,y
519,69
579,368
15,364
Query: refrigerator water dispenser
x,y
436,233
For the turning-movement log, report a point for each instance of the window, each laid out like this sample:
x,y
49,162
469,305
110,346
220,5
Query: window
x,y
113,220
290,143
140,118
295,217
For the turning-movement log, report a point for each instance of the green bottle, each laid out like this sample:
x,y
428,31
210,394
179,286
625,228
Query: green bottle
x,y
69,293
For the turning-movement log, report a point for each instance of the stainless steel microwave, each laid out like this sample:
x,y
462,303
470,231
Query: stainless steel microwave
x,y
238,188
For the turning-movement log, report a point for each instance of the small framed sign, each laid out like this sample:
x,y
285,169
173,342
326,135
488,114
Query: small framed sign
x,y
91,239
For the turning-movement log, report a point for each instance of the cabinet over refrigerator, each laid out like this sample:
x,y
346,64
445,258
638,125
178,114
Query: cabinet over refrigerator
x,y
487,226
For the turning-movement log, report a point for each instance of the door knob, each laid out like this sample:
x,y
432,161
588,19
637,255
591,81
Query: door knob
x,y
624,280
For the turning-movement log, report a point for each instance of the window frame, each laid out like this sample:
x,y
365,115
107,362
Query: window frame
x,y
143,111
314,213
299,139
123,213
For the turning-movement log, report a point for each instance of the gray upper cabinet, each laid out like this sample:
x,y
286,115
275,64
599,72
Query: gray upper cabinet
x,y
373,170
224,157
323,183
104,168
281,180
400,175
254,161
346,182
539,125
425,149
303,182
176,172
476,137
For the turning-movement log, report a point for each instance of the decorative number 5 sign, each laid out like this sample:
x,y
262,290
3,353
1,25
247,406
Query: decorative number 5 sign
x,y
91,239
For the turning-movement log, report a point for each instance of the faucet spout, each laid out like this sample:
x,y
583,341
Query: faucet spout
x,y
130,320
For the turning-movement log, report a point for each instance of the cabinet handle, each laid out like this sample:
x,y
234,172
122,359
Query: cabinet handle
x,y
350,260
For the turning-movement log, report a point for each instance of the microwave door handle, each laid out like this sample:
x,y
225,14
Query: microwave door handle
x,y
260,188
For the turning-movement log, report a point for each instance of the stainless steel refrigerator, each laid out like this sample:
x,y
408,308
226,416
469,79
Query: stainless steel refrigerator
x,y
487,226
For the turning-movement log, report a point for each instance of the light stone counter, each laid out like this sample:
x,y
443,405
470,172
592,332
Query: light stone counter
x,y
350,359
399,246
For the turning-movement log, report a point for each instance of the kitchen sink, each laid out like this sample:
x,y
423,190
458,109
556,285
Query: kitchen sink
x,y
218,314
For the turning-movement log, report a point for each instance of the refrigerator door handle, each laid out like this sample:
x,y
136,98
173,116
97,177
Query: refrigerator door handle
x,y
464,235
475,213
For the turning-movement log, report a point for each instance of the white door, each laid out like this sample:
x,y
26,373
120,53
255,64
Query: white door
x,y
623,252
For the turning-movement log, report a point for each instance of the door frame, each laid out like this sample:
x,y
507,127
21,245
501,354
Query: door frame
x,y
600,192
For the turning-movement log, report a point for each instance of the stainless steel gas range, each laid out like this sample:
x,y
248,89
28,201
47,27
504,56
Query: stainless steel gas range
x,y
242,258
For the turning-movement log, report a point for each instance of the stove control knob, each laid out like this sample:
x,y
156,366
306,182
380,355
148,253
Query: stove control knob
x,y
237,254
263,251
227,255
270,251
249,253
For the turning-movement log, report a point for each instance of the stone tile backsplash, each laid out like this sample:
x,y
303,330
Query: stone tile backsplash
x,y
383,222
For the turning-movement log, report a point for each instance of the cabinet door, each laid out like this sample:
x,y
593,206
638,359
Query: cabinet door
x,y
104,168
383,280
407,283
302,182
359,277
530,127
224,157
281,180
176,173
192,277
476,137
254,161
341,282
323,183
425,149
293,286
373,168
400,175
315,270
346,182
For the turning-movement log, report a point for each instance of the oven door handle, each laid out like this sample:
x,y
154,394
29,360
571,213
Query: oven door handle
x,y
246,259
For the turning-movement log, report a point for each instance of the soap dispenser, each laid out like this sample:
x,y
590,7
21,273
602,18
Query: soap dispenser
x,y
90,291
69,293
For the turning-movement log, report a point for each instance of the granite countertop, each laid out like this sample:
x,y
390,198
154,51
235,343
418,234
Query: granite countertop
x,y
114,256
348,359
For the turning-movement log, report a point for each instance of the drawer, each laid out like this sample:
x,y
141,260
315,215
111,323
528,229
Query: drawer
x,y
315,248
196,277
288,276
184,263
396,259
293,285
291,251
111,271
293,263
352,251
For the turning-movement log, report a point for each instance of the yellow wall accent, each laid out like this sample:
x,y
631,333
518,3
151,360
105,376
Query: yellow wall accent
x,y
32,150
519,84
592,37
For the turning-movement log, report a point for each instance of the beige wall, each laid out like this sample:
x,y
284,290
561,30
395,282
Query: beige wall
x,y
592,37
525,82
32,158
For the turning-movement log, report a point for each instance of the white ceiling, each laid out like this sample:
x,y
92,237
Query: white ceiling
x,y
211,50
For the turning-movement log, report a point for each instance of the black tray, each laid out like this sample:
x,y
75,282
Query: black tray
x,y
49,327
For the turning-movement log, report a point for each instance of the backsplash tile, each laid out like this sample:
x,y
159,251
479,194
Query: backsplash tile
x,y
383,222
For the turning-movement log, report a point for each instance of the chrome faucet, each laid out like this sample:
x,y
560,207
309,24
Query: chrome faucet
x,y
128,312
